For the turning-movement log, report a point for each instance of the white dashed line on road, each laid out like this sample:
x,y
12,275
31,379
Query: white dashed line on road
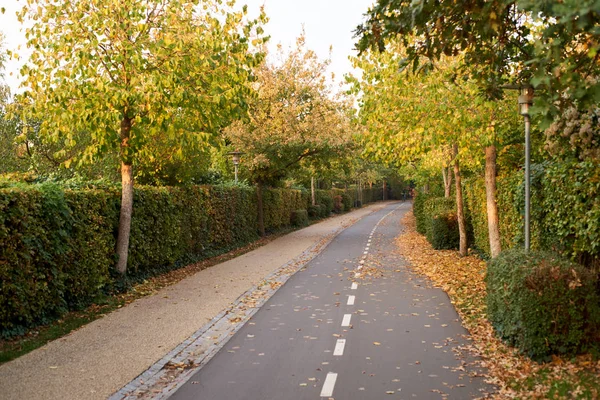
x,y
346,319
351,300
329,384
339,347
354,286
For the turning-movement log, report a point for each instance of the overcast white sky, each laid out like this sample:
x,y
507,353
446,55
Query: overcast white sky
x,y
326,22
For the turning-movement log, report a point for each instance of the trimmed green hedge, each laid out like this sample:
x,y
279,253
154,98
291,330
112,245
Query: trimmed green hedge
x,y
571,201
300,218
279,205
444,231
433,207
422,219
543,304
57,244
56,249
476,207
325,199
565,209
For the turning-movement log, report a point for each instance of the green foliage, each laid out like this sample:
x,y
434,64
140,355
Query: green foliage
x,y
543,304
279,205
553,44
338,205
419,211
174,76
323,197
299,218
57,244
347,201
476,207
571,201
314,212
444,231
434,207
56,248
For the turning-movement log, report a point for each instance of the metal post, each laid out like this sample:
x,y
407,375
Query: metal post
x,y
236,172
527,181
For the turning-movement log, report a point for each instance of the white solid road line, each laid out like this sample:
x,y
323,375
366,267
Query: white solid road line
x,y
354,286
339,347
346,320
351,299
329,384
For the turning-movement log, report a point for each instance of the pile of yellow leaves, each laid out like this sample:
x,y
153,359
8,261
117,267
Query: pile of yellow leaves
x,y
515,375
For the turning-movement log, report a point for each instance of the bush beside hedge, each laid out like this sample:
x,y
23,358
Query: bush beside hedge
x,y
325,200
444,231
422,219
433,207
299,218
543,304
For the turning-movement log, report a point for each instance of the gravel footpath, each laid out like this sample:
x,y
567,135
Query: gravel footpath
x,y
103,356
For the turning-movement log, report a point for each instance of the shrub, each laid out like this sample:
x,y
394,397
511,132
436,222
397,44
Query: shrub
x,y
324,198
444,231
338,206
299,218
347,201
433,207
419,211
314,212
542,304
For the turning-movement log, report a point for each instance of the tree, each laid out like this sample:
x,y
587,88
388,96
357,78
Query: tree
x,y
295,117
121,73
552,45
432,120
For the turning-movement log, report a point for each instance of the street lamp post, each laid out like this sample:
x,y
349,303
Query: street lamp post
x,y
235,156
525,102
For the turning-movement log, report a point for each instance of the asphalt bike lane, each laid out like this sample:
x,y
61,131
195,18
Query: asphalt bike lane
x,y
354,323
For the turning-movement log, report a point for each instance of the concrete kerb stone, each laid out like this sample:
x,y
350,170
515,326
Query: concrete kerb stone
x,y
160,382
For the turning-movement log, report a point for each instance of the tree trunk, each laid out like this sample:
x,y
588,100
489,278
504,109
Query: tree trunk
x,y
447,174
492,205
126,199
312,191
261,213
460,215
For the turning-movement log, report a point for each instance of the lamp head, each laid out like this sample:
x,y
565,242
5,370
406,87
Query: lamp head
x,y
525,101
235,156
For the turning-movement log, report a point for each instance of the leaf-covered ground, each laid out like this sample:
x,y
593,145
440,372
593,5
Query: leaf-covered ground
x,y
514,374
